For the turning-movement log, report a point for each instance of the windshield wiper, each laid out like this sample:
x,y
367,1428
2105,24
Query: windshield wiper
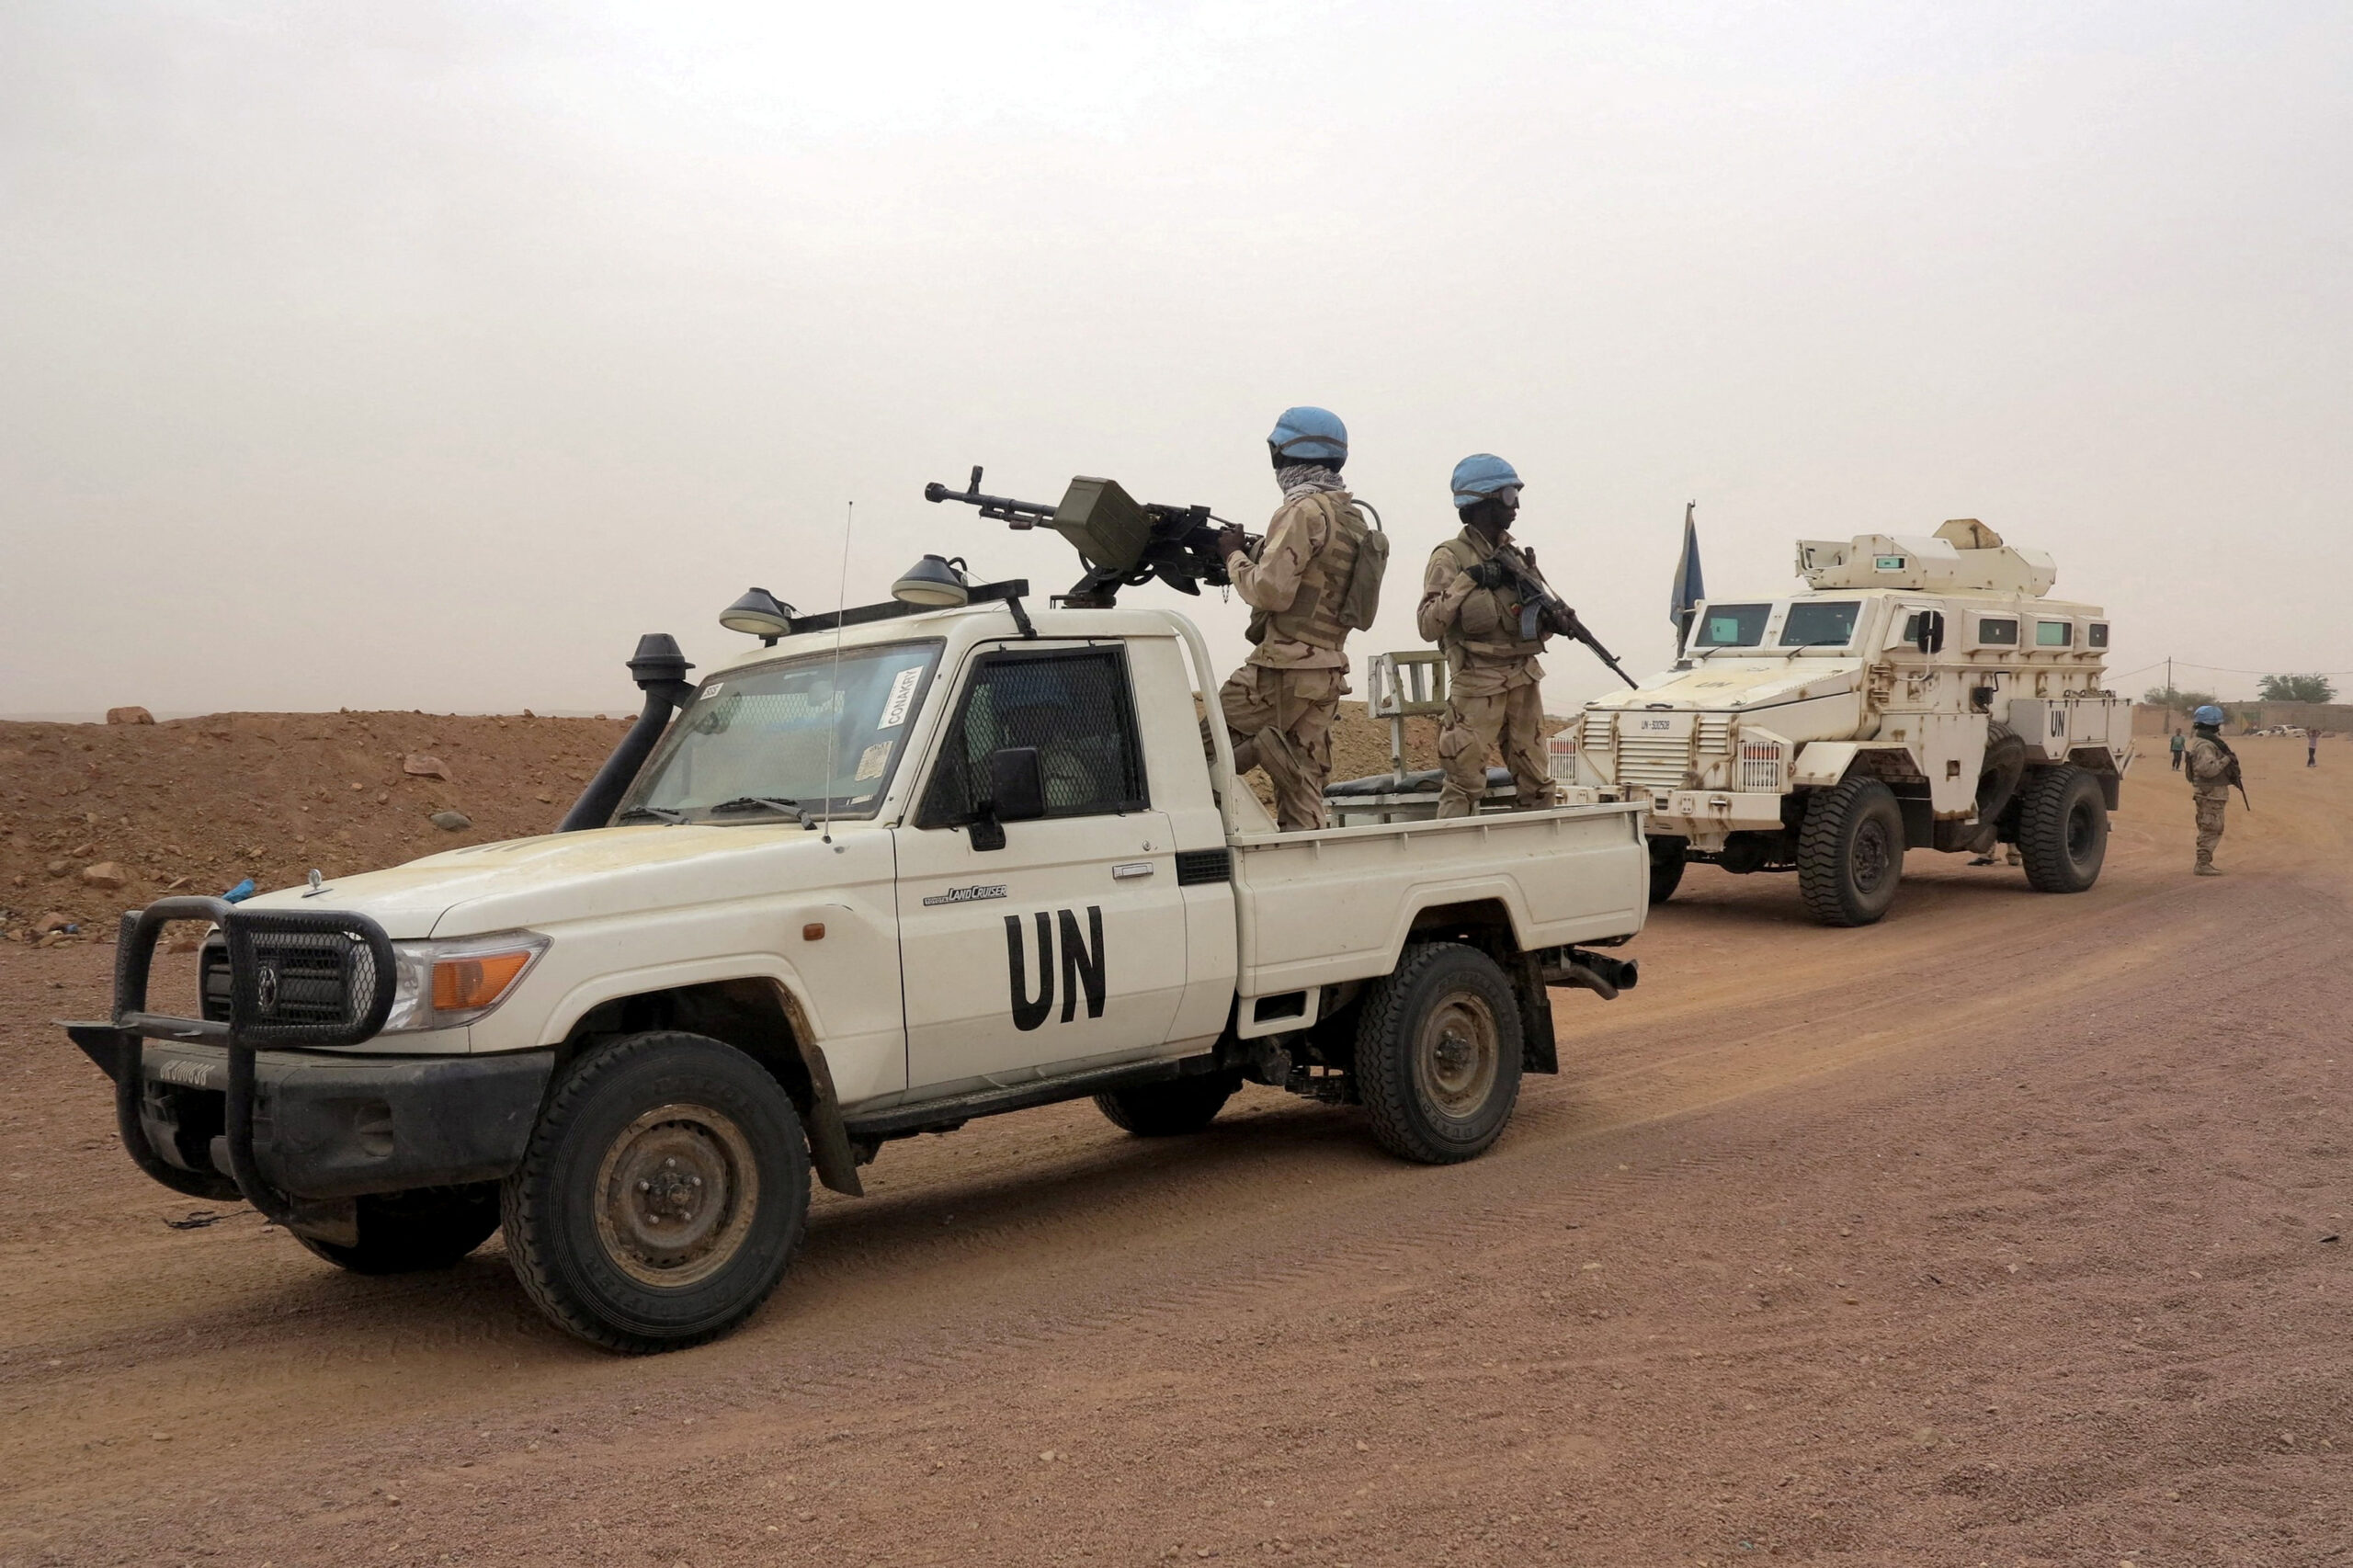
x,y
783,803
656,814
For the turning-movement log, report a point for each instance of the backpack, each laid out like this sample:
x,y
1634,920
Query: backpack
x,y
1360,601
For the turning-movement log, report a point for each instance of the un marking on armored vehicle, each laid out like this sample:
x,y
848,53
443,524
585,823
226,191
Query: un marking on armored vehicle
x,y
1925,695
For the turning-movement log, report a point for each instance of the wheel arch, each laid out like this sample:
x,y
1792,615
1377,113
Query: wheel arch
x,y
1486,924
759,1015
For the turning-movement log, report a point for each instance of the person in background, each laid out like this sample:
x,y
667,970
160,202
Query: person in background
x,y
2312,747
2178,743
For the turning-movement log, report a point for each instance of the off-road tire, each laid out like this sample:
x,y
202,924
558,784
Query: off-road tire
x,y
1433,1101
1169,1109
663,1128
1850,851
1666,866
2063,829
404,1232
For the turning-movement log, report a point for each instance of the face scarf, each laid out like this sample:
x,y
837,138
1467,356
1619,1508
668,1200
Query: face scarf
x,y
1307,478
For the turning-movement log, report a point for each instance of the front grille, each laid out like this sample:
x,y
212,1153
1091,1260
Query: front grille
x,y
1715,733
1658,762
213,981
1194,866
1594,733
1760,767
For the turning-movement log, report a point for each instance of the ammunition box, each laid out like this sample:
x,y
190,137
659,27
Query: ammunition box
x,y
1102,523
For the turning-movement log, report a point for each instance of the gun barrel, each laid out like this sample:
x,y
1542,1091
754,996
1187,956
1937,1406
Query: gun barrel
x,y
1019,514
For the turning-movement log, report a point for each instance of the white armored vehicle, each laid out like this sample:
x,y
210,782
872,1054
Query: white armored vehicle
x,y
1925,695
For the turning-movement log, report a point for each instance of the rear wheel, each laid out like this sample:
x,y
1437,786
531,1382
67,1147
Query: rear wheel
x,y
1439,1052
402,1232
665,1189
2062,830
1166,1110
1666,866
1850,852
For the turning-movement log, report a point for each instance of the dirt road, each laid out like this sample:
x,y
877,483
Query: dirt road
x,y
2005,1232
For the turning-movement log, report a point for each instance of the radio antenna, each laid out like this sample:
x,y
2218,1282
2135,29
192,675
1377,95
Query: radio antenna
x,y
833,729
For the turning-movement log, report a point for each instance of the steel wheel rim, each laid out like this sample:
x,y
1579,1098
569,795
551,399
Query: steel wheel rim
x,y
1457,1054
2079,831
676,1196
1870,857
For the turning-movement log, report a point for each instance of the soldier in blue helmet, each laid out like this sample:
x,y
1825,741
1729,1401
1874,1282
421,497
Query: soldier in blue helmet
x,y
1470,608
1313,579
2212,768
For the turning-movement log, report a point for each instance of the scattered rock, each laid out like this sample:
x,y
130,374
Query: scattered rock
x,y
106,874
417,765
544,797
52,921
133,715
451,821
59,868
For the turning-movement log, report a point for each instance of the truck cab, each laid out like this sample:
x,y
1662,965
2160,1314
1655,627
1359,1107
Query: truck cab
x,y
1924,693
889,872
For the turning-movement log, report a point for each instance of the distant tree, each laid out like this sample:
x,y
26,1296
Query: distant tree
x,y
2180,702
2296,688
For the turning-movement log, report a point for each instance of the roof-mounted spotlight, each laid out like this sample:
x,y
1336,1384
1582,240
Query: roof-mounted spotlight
x,y
936,582
758,614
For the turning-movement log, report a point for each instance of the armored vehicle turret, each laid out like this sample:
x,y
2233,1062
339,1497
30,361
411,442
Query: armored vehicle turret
x,y
1924,693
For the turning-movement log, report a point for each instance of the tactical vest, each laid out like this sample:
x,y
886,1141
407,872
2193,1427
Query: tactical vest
x,y
1488,623
1318,612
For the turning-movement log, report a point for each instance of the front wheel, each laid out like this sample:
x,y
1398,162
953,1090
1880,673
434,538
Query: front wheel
x,y
1668,857
2062,830
1850,851
1439,1054
404,1232
665,1190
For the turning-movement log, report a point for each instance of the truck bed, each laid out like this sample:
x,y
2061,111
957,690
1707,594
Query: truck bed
x,y
1321,907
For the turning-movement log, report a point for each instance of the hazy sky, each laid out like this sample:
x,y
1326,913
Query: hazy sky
x,y
421,355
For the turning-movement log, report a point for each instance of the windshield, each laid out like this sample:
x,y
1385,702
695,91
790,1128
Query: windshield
x,y
1821,624
1730,625
772,740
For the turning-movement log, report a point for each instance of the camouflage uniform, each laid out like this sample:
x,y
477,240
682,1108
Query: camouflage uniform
x,y
1281,703
1493,691
2210,766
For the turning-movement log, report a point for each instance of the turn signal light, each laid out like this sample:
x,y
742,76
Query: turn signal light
x,y
464,984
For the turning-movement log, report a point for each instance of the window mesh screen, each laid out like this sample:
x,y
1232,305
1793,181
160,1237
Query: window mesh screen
x,y
1073,707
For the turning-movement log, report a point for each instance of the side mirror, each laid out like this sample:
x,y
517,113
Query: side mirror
x,y
1016,784
1931,637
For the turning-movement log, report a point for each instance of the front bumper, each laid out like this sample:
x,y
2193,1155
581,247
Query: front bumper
x,y
335,1126
1690,813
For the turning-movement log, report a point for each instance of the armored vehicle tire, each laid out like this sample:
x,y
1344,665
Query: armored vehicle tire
x,y
1439,1054
402,1232
665,1187
1666,866
2063,829
1850,852
1166,1110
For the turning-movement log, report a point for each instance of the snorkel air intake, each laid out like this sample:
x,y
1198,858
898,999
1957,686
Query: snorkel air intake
x,y
660,671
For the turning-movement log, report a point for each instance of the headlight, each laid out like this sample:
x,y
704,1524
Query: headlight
x,y
442,984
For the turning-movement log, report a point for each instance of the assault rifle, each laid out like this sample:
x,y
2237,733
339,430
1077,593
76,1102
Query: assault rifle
x,y
1124,541
1539,607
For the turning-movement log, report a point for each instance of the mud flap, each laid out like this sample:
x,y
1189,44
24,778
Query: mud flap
x,y
1540,1053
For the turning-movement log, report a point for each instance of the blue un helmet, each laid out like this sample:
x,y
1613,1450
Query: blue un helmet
x,y
1480,476
2210,714
1309,435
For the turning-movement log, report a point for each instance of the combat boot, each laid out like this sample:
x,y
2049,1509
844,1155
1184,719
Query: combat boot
x,y
2209,869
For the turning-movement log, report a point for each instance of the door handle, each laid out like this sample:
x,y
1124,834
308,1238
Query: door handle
x,y
1131,870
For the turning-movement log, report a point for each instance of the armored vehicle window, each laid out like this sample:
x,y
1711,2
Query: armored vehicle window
x,y
1731,625
1074,705
798,734
1997,632
1821,624
2096,634
2055,634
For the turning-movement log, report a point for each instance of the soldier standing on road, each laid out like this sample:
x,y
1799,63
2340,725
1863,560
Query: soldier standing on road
x,y
2178,743
1281,703
1471,608
2212,767
2312,747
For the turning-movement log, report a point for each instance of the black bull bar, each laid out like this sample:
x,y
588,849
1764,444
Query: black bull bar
x,y
296,978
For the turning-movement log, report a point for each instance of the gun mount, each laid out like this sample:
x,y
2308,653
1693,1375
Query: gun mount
x,y
1124,541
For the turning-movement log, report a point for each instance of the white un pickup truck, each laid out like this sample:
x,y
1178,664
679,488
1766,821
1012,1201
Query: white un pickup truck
x,y
891,870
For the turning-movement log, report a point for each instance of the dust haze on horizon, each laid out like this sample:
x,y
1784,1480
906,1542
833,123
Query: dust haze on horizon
x,y
424,355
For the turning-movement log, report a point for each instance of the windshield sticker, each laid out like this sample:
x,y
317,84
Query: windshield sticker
x,y
714,689
872,761
903,692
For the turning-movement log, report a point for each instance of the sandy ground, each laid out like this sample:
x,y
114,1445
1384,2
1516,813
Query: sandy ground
x,y
2005,1232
